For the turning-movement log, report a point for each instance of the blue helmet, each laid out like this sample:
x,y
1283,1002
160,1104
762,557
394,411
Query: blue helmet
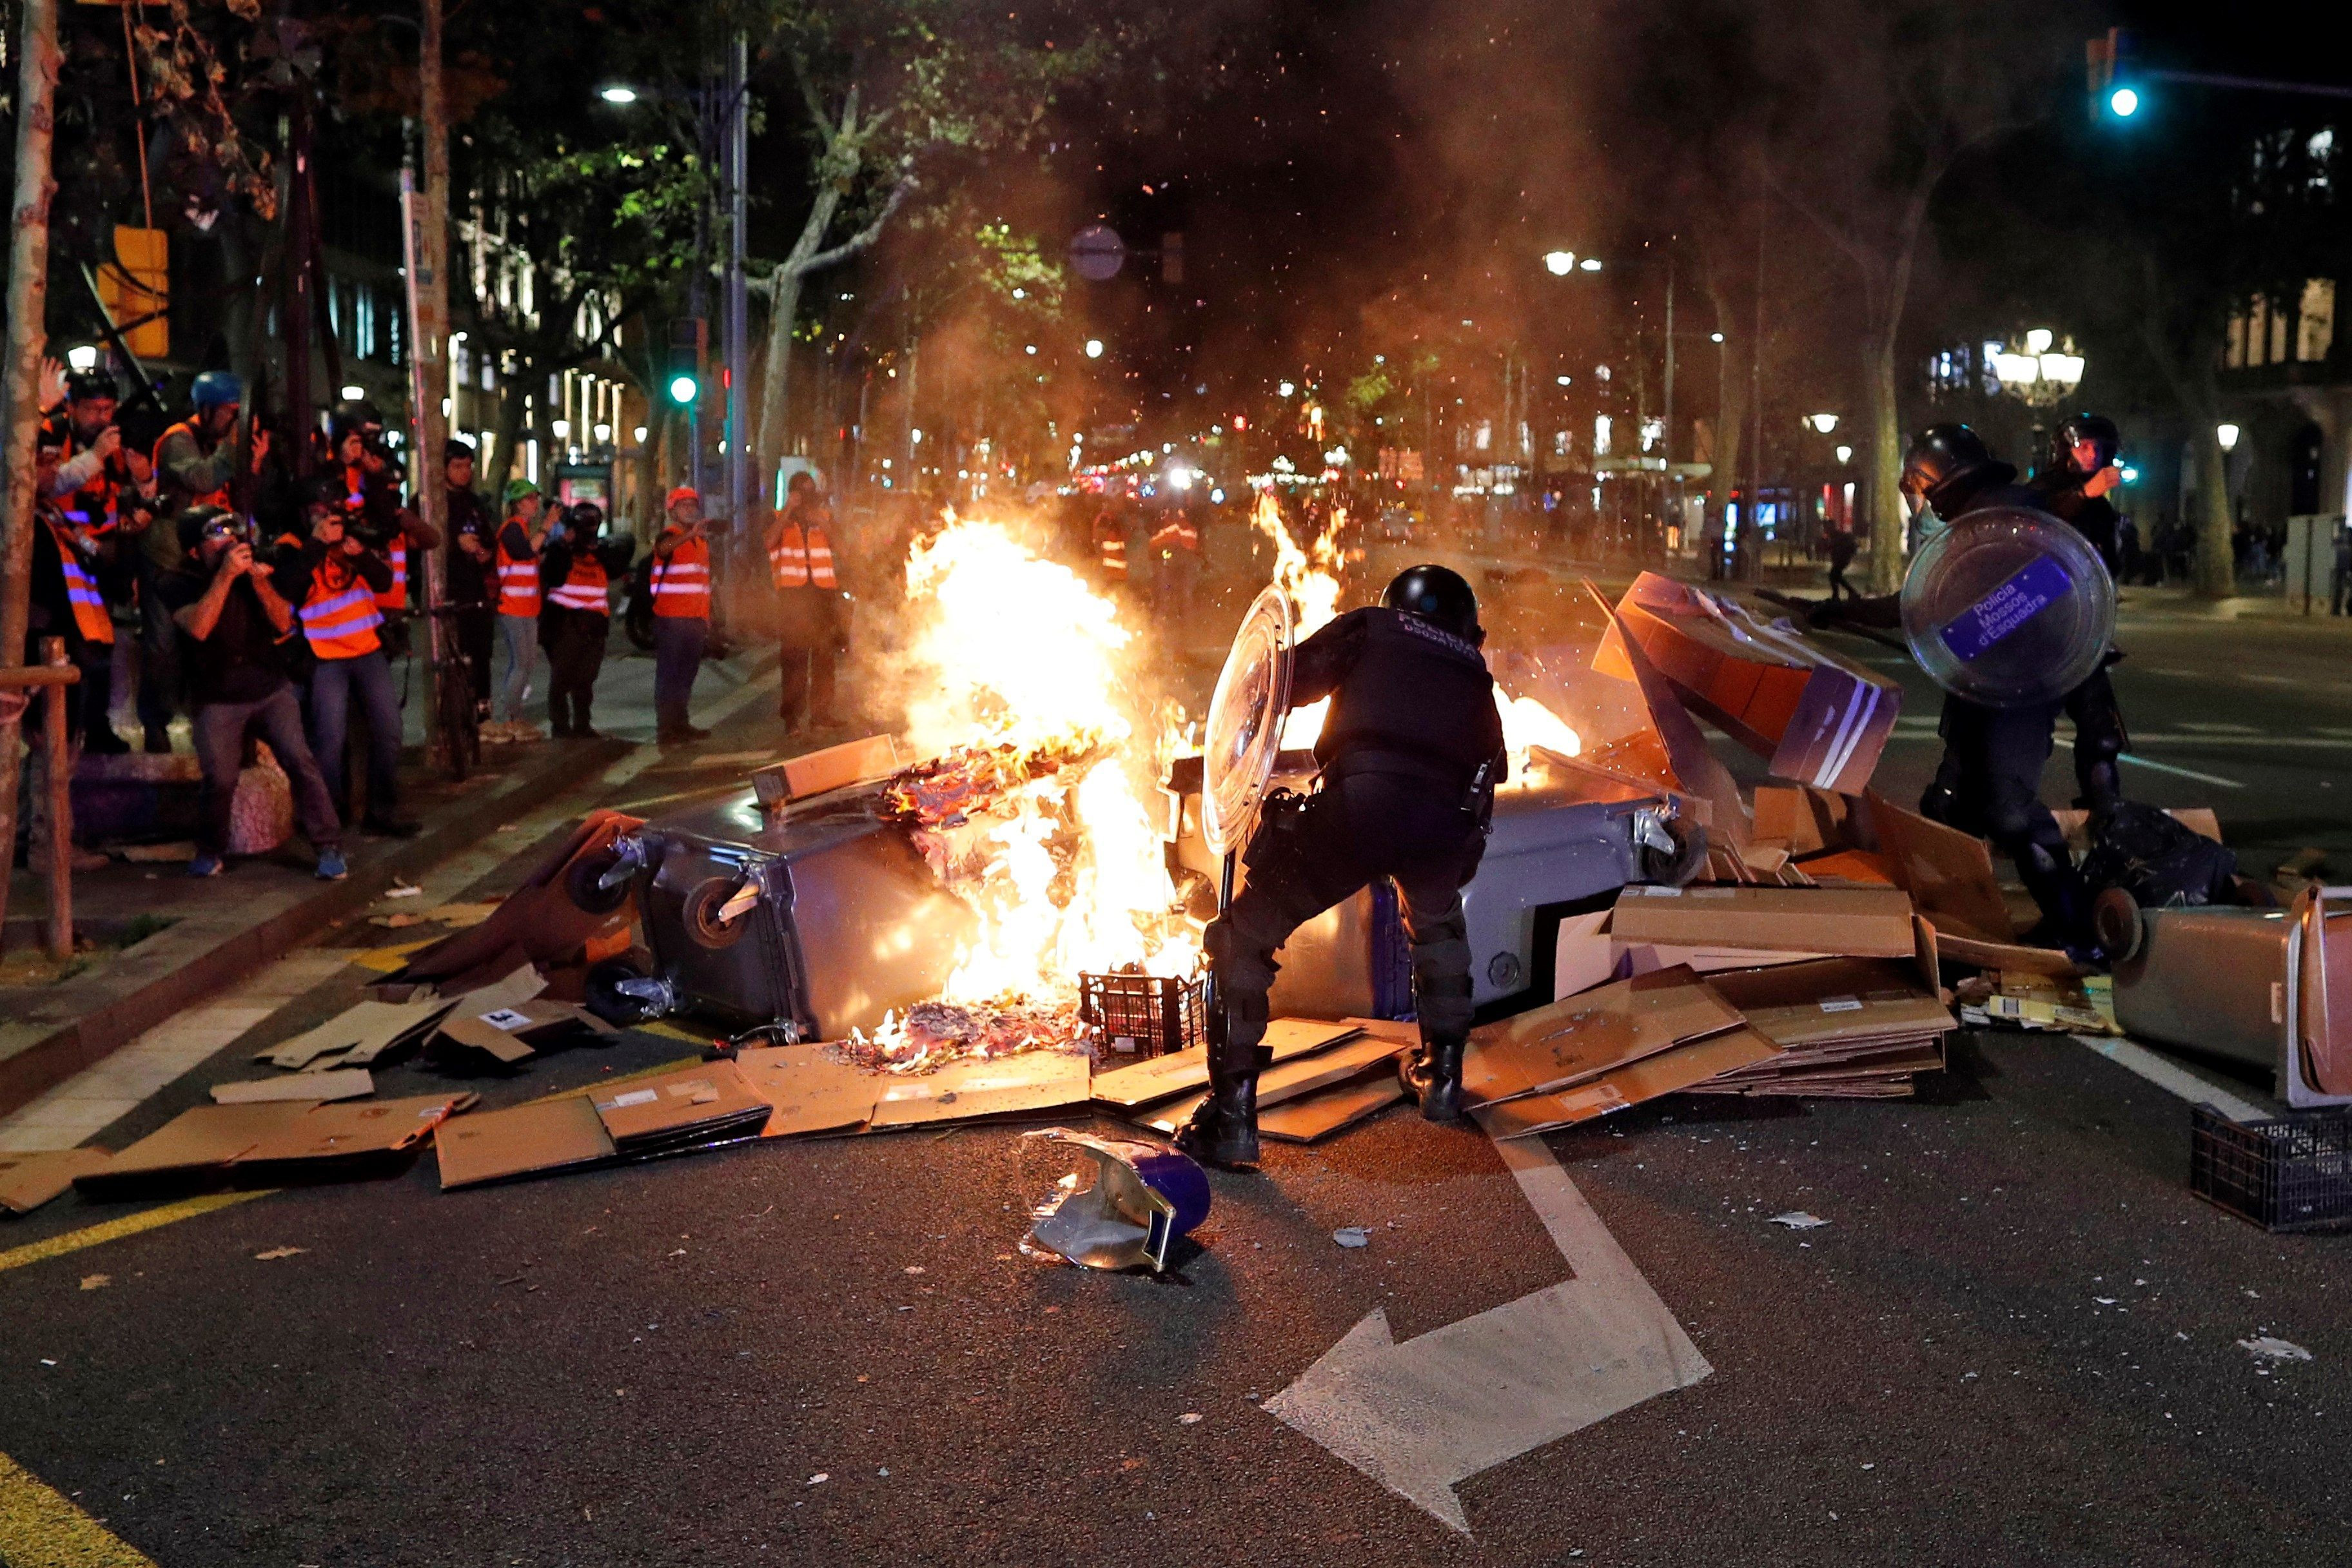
x,y
216,387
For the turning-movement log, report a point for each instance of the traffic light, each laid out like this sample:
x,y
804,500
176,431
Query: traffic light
x,y
2114,76
690,341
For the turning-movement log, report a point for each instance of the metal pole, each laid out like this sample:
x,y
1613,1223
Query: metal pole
x,y
1666,446
740,491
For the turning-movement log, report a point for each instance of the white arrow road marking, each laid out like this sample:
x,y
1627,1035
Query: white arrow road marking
x,y
1424,1416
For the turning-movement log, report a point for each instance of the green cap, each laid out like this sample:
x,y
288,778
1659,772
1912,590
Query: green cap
x,y
517,489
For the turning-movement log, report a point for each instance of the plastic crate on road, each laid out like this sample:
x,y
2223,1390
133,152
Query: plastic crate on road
x,y
1144,1015
2293,1174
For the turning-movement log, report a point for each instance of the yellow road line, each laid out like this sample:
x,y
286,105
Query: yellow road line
x,y
40,1529
115,1230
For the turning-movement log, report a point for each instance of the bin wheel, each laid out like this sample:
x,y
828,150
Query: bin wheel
x,y
580,884
1679,867
605,997
701,913
2116,922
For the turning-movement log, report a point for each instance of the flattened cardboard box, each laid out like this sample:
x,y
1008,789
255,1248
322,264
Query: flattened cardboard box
x,y
1863,923
1146,1083
358,1033
510,1032
195,1145
1834,1000
968,1090
560,1134
330,1137
1312,1118
1667,1072
676,1106
1558,1045
1299,1076
28,1181
341,1083
809,1088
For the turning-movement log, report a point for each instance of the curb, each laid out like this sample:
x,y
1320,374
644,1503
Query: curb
x,y
47,1062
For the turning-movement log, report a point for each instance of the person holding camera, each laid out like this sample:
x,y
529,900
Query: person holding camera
x,y
335,584
105,494
196,464
681,583
233,625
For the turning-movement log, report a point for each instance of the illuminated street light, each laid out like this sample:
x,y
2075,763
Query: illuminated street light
x,y
2039,340
1845,454
1715,337
2228,436
1094,348
1560,263
353,393
2041,375
1590,264
618,93
1286,389
1825,423
604,434
1562,380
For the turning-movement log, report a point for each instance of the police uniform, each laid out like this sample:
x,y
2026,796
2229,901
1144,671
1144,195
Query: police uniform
x,y
472,587
1410,752
2100,739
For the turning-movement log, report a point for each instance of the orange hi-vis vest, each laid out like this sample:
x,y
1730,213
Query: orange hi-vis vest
x,y
584,587
1110,543
518,582
89,612
682,583
216,497
339,615
802,558
396,596
1177,533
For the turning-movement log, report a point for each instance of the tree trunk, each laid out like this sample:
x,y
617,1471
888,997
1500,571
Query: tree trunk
x,y
2215,572
28,292
644,523
429,345
1886,510
783,309
504,463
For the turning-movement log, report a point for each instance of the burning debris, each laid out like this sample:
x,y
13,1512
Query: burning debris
x,y
933,1034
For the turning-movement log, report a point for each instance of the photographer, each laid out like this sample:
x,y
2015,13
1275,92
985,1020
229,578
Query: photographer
x,y
472,568
334,582
371,508
196,464
106,494
233,625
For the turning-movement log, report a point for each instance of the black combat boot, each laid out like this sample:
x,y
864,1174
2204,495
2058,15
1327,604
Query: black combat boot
x,y
1434,1077
1224,1130
2064,902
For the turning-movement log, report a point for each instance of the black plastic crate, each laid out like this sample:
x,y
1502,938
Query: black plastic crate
x,y
2293,1174
1144,1015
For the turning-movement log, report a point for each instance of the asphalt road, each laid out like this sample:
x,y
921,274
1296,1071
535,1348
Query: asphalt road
x,y
2015,1339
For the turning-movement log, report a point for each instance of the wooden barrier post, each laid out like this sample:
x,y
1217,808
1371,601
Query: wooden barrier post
x,y
60,770
54,678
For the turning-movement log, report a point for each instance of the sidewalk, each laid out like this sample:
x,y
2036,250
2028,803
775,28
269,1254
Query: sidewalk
x,y
181,939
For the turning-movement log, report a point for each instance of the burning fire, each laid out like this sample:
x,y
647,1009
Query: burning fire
x,y
1527,724
1026,697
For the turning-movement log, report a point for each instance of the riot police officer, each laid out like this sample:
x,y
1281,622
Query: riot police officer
x,y
1989,782
1410,752
2075,487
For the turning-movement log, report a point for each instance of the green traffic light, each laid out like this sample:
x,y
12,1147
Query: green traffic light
x,y
2125,102
682,388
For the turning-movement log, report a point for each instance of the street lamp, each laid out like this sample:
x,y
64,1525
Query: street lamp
x,y
1590,264
1286,389
2228,436
1560,263
1825,423
1094,348
2037,374
618,93
1845,454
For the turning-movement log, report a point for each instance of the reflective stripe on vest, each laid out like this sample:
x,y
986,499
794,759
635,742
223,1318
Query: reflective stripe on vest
x,y
584,589
802,558
517,584
340,622
396,596
1114,554
682,583
89,612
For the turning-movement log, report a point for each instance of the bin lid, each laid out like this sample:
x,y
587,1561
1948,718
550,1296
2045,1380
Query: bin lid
x,y
2009,607
1244,733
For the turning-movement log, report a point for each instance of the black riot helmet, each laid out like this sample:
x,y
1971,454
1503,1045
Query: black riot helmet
x,y
1439,596
356,414
1946,461
81,385
2072,431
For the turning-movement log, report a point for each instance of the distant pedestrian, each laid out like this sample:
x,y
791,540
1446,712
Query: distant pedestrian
x,y
1842,548
681,585
335,584
812,613
1176,569
1110,545
577,570
472,574
233,626
521,538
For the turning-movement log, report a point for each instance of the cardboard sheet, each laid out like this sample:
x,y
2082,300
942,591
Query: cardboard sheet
x,y
1695,766
195,1144
809,1090
1834,1000
28,1181
707,1100
1667,1072
1949,873
560,1134
1867,923
1145,1083
815,772
1568,1042
1294,1079
1317,1116
964,1091
351,1132
359,1033
343,1083
510,1031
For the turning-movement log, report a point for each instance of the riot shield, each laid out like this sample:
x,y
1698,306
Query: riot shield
x,y
1244,726
2009,607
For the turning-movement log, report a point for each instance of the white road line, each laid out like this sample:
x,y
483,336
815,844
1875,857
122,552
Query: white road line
x,y
2174,1078
2195,729
1424,1415
2215,779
